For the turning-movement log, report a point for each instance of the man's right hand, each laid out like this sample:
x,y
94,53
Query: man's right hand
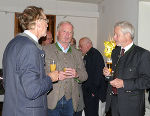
x,y
53,75
106,72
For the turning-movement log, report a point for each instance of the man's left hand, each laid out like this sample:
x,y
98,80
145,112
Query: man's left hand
x,y
70,73
118,83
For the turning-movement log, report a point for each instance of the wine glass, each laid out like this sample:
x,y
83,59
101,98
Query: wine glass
x,y
109,66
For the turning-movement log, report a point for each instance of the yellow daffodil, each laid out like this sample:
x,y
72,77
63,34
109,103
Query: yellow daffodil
x,y
109,46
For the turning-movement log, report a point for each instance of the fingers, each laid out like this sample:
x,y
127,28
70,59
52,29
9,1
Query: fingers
x,y
106,71
54,76
61,75
118,83
70,73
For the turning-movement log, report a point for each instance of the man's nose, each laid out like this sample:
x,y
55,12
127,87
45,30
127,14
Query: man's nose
x,y
67,33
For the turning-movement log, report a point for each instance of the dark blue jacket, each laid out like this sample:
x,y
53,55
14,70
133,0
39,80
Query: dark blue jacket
x,y
95,84
25,82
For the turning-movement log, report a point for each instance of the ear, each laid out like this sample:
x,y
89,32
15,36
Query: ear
x,y
57,33
88,45
38,24
128,35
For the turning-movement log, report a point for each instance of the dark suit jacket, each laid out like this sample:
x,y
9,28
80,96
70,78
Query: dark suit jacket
x,y
24,76
134,70
95,83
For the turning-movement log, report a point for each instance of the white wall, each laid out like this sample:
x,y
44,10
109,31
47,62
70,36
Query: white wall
x,y
6,27
83,16
144,25
112,11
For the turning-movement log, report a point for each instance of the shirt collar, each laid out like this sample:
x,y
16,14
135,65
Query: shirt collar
x,y
66,50
127,47
31,35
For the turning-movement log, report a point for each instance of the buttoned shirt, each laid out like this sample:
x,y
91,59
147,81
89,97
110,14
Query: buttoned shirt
x,y
127,47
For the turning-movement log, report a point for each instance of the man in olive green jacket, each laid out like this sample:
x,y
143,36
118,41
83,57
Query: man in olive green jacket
x,y
64,98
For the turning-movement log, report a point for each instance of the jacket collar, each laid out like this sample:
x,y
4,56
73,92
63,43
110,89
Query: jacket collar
x,y
57,46
26,35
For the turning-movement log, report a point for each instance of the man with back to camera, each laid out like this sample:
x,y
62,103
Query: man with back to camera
x,y
25,82
95,87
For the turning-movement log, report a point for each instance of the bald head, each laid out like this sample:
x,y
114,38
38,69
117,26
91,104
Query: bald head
x,y
85,44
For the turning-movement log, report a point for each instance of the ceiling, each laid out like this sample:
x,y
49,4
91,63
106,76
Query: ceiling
x,y
84,1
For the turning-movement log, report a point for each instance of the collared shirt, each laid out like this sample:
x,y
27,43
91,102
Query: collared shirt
x,y
31,35
64,50
127,47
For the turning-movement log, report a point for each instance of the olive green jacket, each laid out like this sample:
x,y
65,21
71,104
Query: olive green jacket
x,y
71,59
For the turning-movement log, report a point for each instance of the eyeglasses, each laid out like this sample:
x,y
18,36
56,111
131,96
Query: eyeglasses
x,y
46,20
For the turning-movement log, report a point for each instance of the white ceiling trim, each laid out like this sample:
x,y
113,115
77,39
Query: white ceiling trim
x,y
84,1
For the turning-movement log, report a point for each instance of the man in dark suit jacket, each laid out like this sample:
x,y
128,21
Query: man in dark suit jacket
x,y
126,92
25,82
95,86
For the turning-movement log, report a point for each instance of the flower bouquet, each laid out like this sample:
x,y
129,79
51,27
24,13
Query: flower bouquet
x,y
109,46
